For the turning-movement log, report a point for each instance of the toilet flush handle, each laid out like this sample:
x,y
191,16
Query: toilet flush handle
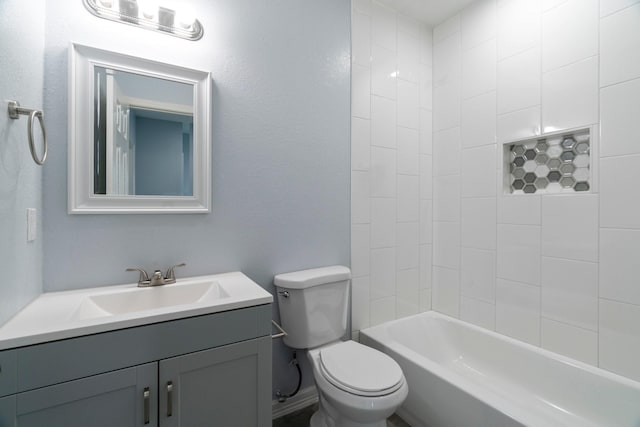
x,y
284,293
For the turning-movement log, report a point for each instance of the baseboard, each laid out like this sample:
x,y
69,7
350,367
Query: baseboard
x,y
305,397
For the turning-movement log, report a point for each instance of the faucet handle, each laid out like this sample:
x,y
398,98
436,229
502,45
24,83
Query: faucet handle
x,y
144,277
171,275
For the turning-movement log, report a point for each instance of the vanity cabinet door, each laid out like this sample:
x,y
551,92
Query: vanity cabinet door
x,y
228,386
123,398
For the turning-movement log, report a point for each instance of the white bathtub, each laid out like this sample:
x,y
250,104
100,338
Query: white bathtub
x,y
460,375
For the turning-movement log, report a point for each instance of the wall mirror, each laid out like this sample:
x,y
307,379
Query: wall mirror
x,y
139,135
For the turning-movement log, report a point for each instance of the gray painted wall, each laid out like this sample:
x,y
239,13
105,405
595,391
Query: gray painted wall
x,y
281,149
21,68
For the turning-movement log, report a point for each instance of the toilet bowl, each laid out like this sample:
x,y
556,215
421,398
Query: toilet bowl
x,y
357,386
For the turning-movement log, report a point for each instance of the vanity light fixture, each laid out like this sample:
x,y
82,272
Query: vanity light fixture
x,y
148,14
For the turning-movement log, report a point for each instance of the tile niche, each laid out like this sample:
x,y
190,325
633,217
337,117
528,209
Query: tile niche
x,y
558,163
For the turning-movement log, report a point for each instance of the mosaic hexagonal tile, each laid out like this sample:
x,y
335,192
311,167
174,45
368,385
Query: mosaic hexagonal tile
x,y
553,164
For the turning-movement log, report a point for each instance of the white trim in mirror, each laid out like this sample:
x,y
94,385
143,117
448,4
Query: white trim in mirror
x,y
83,61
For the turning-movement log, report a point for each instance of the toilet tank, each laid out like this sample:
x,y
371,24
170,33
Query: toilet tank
x,y
313,305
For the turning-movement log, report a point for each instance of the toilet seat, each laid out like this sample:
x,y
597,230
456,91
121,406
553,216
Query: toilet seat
x,y
360,370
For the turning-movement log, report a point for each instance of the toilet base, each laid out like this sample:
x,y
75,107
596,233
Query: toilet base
x,y
327,416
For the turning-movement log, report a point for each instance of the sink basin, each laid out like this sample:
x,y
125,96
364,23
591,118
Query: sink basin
x,y
66,314
131,300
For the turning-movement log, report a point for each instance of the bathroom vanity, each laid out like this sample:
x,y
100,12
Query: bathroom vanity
x,y
199,366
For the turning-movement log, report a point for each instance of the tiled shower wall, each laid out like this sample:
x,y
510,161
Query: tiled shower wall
x,y
557,271
391,165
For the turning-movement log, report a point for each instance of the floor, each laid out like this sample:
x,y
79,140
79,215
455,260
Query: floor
x,y
301,419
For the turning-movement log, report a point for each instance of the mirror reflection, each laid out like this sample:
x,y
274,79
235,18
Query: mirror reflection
x,y
143,135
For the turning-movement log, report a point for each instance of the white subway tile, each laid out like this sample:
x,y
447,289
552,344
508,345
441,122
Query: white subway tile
x,y
383,72
446,149
360,91
426,266
446,29
550,4
577,343
409,25
383,222
446,198
619,46
610,6
519,26
426,87
408,104
426,45
383,122
619,339
360,303
619,192
446,291
619,251
425,300
570,96
408,198
619,112
446,105
478,274
479,171
519,253
408,57
518,311
362,6
360,248
382,310
478,23
407,292
479,69
447,57
519,124
426,177
570,292
519,81
522,210
478,121
569,33
407,245
408,151
383,172
383,273
446,244
383,25
360,191
361,39
479,223
570,226
426,132
360,144
426,221
479,313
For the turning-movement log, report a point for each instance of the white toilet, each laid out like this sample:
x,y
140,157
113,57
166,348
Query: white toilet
x,y
358,386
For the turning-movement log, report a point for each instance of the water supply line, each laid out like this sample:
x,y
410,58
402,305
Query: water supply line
x,y
283,397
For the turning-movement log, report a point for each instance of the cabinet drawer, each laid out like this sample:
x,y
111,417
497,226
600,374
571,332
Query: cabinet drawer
x,y
59,361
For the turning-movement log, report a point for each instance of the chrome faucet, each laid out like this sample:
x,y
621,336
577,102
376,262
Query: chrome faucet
x,y
157,278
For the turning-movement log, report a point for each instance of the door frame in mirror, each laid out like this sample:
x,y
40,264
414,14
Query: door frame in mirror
x,y
81,197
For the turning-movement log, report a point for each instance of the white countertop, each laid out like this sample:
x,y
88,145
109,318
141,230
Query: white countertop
x,y
59,315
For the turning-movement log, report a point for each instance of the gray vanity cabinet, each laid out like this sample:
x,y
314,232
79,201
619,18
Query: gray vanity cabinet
x,y
204,371
218,387
106,400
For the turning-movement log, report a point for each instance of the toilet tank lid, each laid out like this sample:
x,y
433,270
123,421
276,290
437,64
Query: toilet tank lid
x,y
313,277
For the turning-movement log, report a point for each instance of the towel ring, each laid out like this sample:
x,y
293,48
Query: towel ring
x,y
14,112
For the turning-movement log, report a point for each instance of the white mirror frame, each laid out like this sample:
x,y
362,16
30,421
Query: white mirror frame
x,y
82,200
